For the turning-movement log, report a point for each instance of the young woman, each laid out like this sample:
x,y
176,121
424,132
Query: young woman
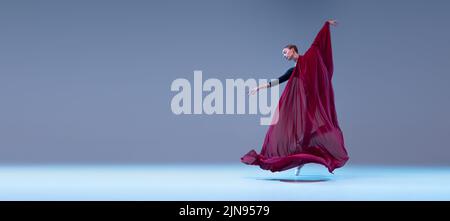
x,y
305,128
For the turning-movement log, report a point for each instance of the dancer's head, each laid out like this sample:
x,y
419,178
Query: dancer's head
x,y
290,52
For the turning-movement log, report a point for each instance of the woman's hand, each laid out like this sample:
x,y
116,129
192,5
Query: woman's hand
x,y
332,22
253,91
256,89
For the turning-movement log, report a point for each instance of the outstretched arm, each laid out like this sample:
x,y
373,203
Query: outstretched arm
x,y
323,43
280,80
283,77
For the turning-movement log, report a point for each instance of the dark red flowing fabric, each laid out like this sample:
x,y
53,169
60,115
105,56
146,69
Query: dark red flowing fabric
x,y
305,128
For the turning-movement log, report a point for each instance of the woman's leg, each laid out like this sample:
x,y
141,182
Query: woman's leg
x,y
298,169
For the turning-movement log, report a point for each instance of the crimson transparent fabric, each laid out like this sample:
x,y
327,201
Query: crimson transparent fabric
x,y
305,128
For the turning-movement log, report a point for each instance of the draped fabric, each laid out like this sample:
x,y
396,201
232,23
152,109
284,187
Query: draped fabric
x,y
305,128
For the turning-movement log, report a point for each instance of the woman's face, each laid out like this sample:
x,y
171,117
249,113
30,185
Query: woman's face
x,y
288,53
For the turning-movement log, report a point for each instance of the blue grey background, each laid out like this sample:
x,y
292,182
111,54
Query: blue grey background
x,y
89,81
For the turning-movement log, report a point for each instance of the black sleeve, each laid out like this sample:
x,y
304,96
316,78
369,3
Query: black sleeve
x,y
284,77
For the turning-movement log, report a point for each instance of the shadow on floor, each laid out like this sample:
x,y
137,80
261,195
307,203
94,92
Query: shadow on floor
x,y
299,179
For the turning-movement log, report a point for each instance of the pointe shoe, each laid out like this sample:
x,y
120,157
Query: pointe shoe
x,y
298,170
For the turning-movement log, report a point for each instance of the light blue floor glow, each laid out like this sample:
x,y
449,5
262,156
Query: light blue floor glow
x,y
222,182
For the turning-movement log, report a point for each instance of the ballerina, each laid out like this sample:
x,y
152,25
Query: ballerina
x,y
306,129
